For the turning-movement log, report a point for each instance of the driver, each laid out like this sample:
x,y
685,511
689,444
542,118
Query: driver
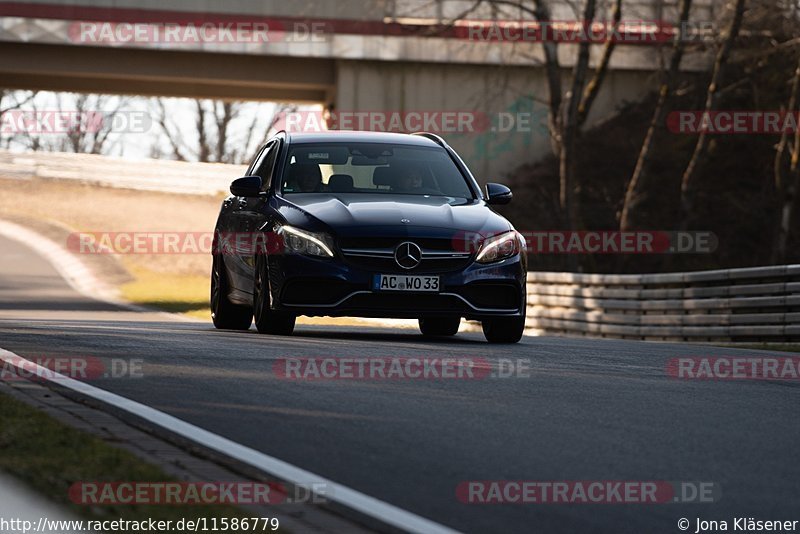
x,y
410,180
307,177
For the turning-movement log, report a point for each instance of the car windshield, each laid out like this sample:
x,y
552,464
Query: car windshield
x,y
373,168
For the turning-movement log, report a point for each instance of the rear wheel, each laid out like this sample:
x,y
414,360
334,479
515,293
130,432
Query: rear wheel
x,y
439,326
503,329
268,321
225,314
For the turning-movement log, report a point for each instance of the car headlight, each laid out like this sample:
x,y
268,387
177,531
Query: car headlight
x,y
303,242
500,247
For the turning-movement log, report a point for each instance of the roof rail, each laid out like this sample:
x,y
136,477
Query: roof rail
x,y
433,137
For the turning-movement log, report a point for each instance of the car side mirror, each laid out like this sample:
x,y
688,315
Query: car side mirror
x,y
249,186
497,194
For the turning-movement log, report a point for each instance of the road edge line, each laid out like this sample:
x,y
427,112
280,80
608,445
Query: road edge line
x,y
362,503
73,270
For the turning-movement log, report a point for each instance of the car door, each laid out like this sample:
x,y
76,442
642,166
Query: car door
x,y
247,216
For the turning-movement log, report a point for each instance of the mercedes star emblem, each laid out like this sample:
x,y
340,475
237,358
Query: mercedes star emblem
x,y
408,255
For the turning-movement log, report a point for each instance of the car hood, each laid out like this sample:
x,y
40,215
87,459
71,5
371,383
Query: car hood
x,y
392,214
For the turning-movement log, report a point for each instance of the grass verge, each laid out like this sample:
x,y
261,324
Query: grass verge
x,y
176,293
50,456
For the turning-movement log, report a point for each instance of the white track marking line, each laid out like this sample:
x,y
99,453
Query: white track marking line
x,y
73,270
355,500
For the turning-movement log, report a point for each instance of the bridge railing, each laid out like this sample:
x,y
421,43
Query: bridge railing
x,y
752,304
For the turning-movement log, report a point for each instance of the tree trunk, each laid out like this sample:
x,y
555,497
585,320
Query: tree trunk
x,y
569,195
779,168
203,148
687,181
787,191
593,87
635,185
174,138
552,70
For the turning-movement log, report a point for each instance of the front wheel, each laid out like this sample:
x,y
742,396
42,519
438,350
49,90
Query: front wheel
x,y
439,326
503,329
225,314
268,321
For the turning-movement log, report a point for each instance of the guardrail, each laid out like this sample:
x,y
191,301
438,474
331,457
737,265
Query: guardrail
x,y
753,304
148,175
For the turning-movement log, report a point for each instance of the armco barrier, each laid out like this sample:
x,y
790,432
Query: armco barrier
x,y
148,175
752,304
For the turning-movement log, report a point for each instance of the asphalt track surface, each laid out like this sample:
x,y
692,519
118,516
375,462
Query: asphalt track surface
x,y
590,410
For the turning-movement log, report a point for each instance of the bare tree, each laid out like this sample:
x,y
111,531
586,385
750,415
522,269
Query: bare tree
x,y
570,187
216,131
637,183
593,87
787,186
89,134
170,131
17,101
89,120
203,150
30,140
12,101
539,10
687,180
568,112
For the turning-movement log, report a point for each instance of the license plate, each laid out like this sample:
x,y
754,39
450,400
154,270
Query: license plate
x,y
401,282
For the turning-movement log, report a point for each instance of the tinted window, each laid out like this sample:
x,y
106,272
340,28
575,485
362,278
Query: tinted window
x,y
373,168
267,164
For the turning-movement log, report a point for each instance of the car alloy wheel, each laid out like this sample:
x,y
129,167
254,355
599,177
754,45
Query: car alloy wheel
x,y
225,314
268,321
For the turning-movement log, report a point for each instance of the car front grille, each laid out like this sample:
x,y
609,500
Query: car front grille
x,y
377,254
441,244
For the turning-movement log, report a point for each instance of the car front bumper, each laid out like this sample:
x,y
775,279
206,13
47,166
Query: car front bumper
x,y
334,287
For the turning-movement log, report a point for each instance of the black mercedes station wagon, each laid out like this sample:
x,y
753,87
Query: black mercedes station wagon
x,y
366,224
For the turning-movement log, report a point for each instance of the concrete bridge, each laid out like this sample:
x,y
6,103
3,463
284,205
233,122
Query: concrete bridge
x,y
379,56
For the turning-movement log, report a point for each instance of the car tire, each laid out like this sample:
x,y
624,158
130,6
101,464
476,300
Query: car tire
x,y
268,321
503,329
439,326
225,314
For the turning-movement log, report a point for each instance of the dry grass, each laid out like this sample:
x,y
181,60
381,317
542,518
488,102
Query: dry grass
x,y
51,456
97,209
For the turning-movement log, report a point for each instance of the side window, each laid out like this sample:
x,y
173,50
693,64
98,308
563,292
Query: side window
x,y
268,165
257,161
